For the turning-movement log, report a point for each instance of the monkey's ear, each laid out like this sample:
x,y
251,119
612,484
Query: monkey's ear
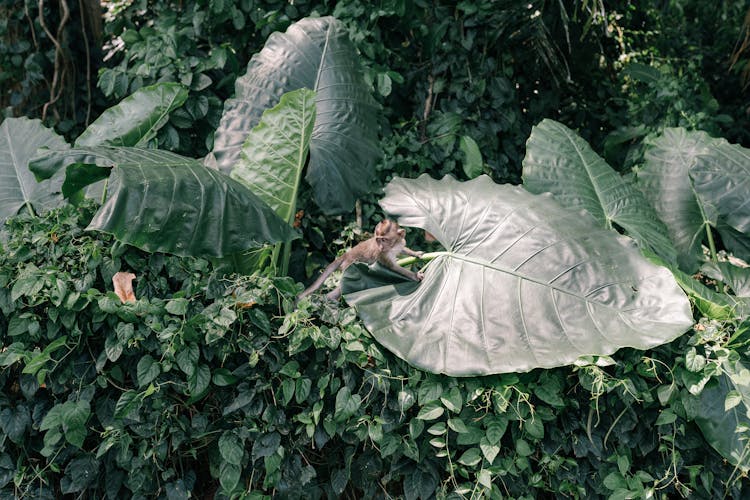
x,y
401,232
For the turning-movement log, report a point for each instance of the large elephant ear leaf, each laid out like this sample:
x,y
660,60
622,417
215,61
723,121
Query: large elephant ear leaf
x,y
163,202
721,178
723,414
560,162
136,119
19,140
314,53
524,283
274,153
665,181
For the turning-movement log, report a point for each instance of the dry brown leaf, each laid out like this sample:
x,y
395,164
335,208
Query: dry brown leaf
x,y
123,283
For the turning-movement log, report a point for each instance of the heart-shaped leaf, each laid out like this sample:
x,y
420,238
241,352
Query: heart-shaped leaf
x,y
524,283
163,202
314,53
19,140
560,162
666,183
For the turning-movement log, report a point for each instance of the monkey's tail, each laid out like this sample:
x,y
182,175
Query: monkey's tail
x,y
323,276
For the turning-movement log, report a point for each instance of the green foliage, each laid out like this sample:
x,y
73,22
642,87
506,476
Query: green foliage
x,y
201,387
523,283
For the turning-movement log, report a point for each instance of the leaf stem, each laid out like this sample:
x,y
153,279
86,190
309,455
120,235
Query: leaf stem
x,y
104,191
711,244
407,261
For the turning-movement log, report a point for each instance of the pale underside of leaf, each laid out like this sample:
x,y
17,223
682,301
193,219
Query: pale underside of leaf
x,y
524,283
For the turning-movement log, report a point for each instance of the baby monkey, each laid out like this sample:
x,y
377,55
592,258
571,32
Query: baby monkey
x,y
387,242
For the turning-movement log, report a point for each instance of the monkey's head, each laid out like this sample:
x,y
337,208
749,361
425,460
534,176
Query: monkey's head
x,y
388,234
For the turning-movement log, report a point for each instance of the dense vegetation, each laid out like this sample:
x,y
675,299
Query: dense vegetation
x,y
216,382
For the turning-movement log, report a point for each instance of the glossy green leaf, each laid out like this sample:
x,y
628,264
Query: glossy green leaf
x,y
314,53
524,283
721,179
560,162
473,164
274,153
230,447
727,431
665,181
162,202
136,119
19,140
148,369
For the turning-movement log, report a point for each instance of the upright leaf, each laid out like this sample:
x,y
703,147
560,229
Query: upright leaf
x,y
562,163
721,178
19,140
524,283
275,151
136,119
665,181
314,53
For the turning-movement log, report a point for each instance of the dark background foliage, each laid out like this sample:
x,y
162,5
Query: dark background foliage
x,y
311,398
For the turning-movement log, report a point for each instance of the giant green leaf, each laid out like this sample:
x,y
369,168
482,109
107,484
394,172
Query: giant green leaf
x,y
19,140
665,181
163,202
136,119
721,177
524,283
562,163
314,53
727,430
274,153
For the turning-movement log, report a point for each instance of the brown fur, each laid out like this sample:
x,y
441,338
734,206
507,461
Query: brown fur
x,y
387,242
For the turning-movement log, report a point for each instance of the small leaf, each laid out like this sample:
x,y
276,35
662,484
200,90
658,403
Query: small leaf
x,y
694,361
471,457
230,447
148,370
496,430
178,306
346,404
199,382
453,400
229,476
666,417
223,377
302,389
457,425
473,165
733,399
430,411
489,450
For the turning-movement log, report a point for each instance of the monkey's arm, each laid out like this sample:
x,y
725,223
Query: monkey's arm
x,y
413,253
393,266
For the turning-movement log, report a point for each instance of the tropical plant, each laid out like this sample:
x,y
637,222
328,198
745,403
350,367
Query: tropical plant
x,y
523,283
314,53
